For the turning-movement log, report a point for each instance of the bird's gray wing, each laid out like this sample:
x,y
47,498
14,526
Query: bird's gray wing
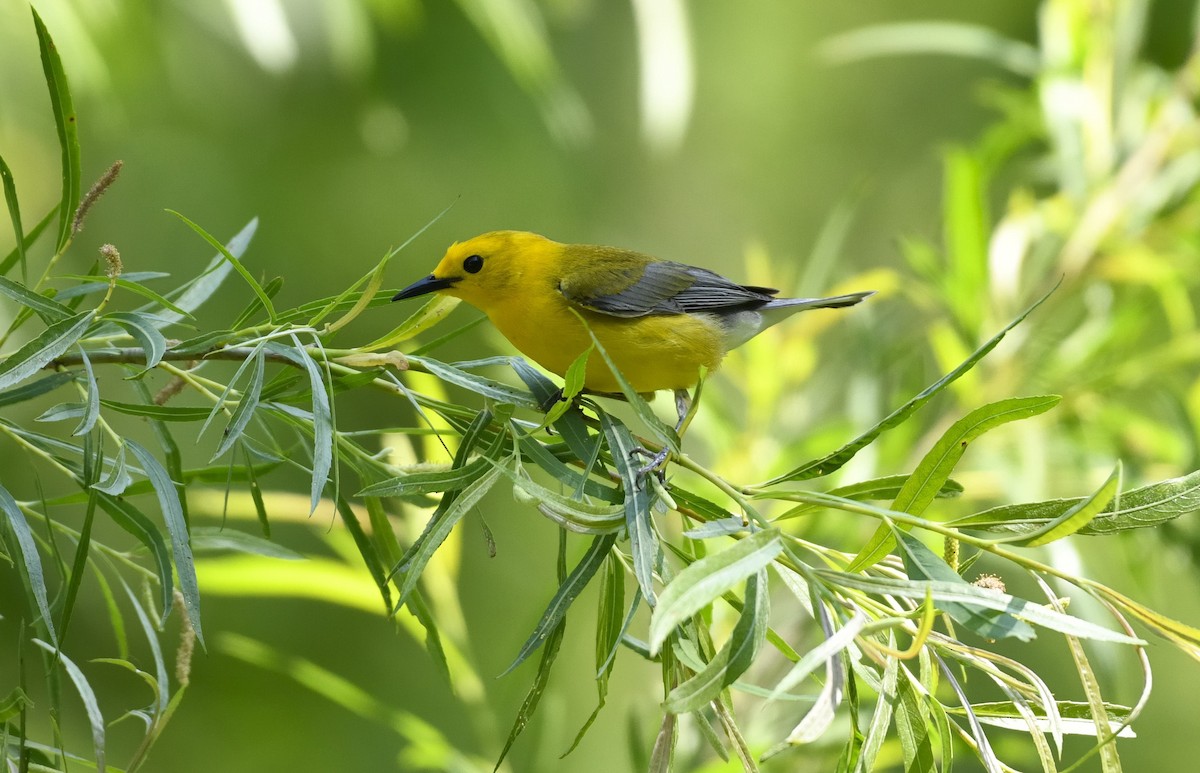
x,y
658,287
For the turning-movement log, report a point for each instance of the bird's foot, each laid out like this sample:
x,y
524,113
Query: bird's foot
x,y
656,465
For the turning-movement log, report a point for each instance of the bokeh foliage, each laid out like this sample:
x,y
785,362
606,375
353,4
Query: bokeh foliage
x,y
1090,167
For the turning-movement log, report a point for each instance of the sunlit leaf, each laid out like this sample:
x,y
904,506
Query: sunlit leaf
x,y
702,582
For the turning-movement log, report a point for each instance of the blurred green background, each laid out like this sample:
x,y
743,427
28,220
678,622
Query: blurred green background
x,y
706,132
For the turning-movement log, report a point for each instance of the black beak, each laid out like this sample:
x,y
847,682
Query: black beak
x,y
422,286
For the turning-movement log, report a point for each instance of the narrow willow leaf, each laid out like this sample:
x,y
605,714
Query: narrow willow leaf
x,y
92,462
1137,509
415,483
137,524
881,719
35,389
566,594
91,411
662,756
118,478
725,527
14,215
887,487
255,306
172,510
572,386
923,564
534,696
127,282
159,412
366,549
247,363
234,261
834,461
142,328
570,476
643,542
1076,717
88,696
477,384
434,311
827,650
67,123
31,562
573,513
1078,516
322,407
912,729
246,407
62,412
43,350
200,289
15,256
212,539
162,686
570,425
935,467
439,528
732,660
48,309
702,582
972,595
609,610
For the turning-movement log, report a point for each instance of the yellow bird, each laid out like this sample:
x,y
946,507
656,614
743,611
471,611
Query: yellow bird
x,y
661,322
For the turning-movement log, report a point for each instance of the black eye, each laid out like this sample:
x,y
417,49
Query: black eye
x,y
473,264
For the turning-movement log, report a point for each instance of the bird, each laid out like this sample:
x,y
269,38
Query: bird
x,y
663,323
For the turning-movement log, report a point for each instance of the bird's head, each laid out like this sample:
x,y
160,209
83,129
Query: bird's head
x,y
487,269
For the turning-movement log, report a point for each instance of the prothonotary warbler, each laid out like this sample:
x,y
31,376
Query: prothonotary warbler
x,y
661,322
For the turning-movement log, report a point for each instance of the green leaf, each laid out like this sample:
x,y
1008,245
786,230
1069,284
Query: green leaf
x,y
48,309
477,384
118,477
200,289
126,282
571,513
246,406
922,563
834,461
440,527
15,255
172,510
1078,516
142,328
611,602
972,595
158,412
91,410
322,412
570,425
35,389
137,524
643,542
66,122
233,261
935,467
566,594
14,214
31,562
703,581
572,386
949,38
432,312
415,483
43,350
214,539
887,487
87,695
734,657
1140,508
534,696
912,729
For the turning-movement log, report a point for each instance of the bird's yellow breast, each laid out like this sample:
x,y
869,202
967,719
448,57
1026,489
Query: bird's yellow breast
x,y
652,352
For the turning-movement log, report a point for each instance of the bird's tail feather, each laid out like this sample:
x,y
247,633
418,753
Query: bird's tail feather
x,y
836,302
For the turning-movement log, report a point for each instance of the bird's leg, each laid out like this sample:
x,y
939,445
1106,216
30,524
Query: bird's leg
x,y
683,406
